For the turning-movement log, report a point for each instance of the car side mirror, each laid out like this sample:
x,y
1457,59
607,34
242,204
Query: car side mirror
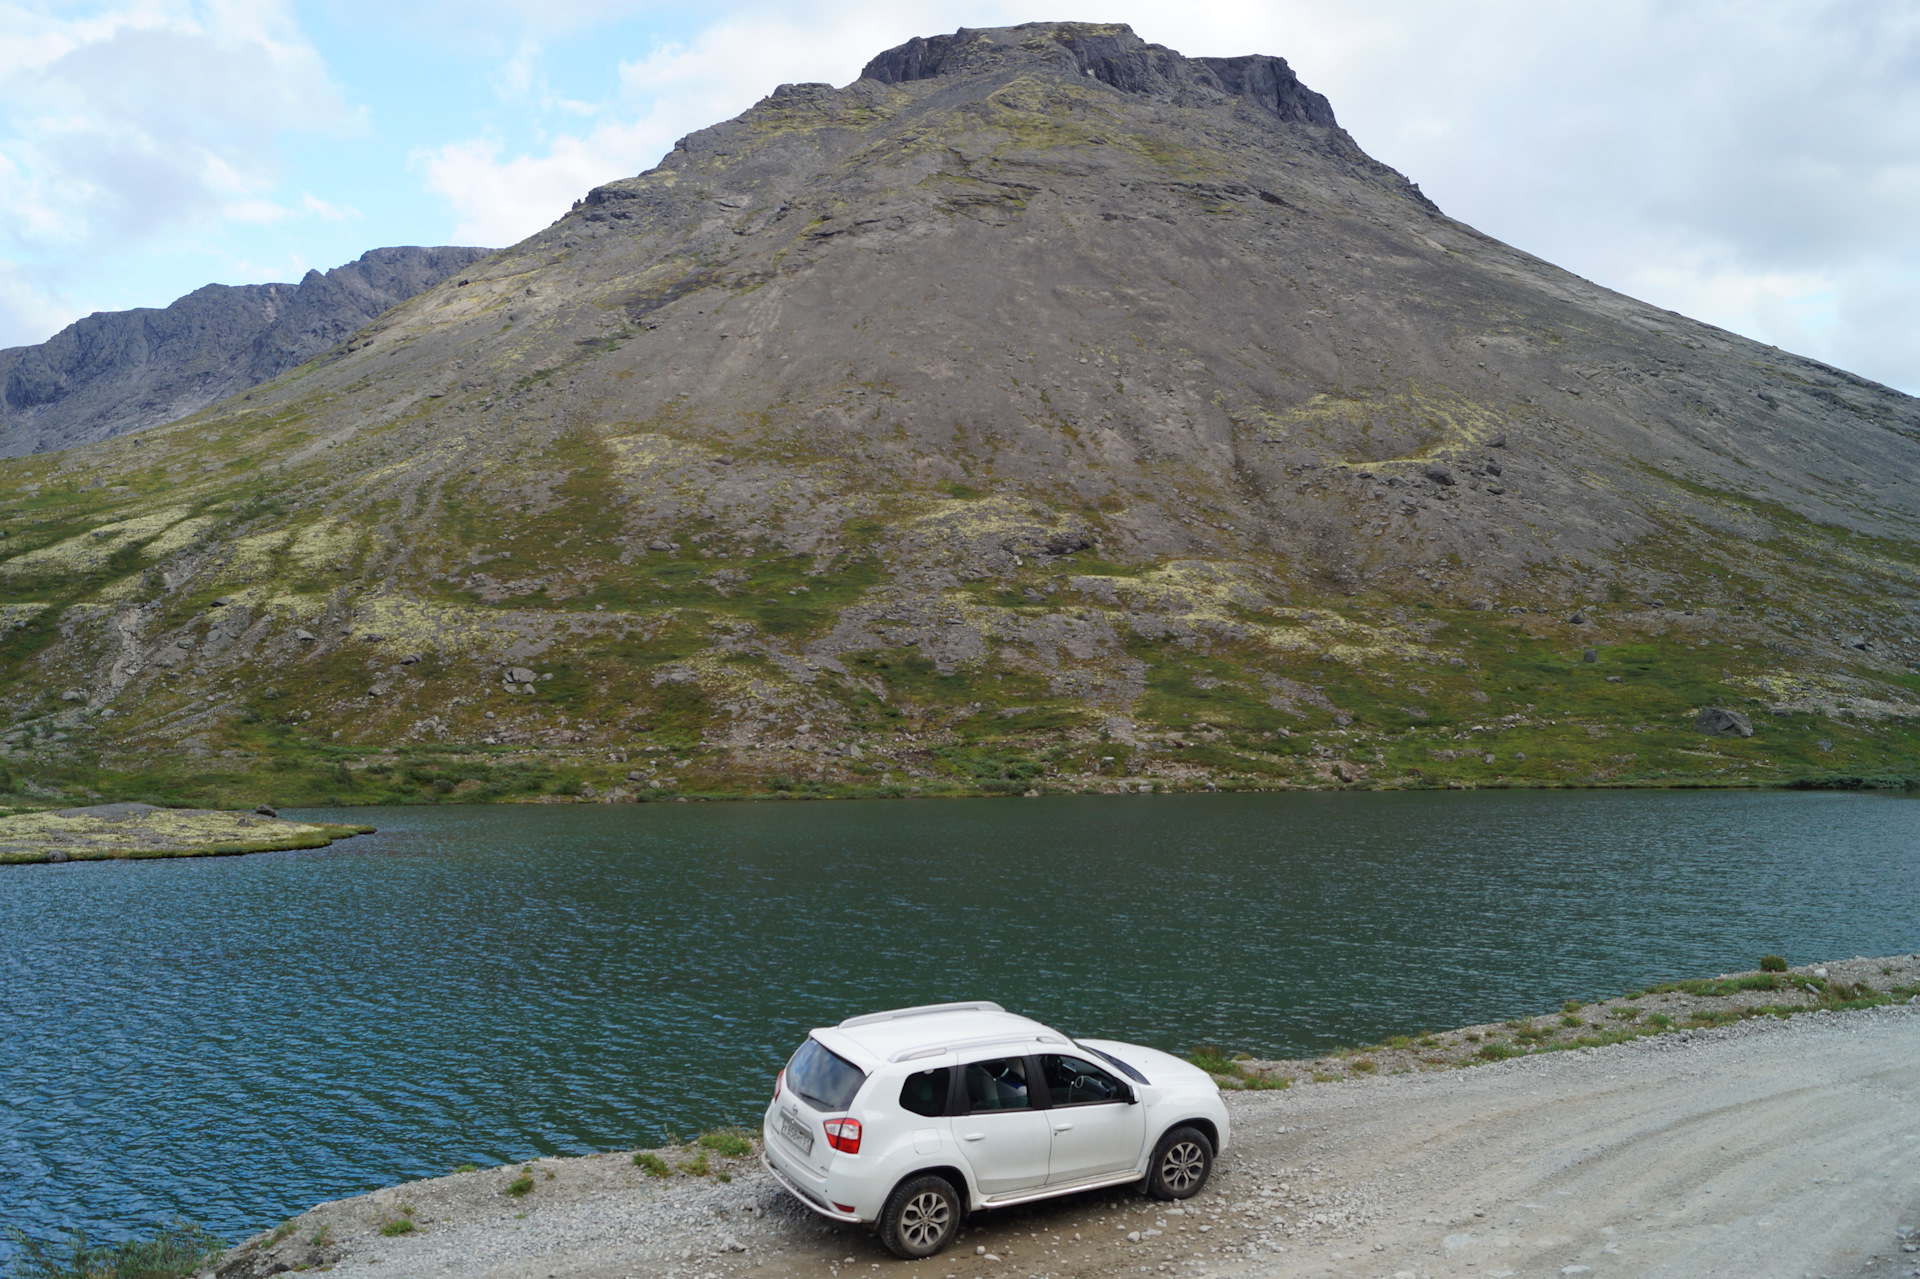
x,y
1133,1095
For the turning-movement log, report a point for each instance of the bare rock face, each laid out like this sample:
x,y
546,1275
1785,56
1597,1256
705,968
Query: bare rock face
x,y
121,371
1718,721
1114,56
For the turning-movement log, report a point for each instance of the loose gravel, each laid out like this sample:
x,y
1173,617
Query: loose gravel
x,y
1766,1147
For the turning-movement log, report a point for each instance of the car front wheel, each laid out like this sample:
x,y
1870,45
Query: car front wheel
x,y
1181,1164
921,1217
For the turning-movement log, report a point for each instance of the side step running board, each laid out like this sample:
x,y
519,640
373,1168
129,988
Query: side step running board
x,y
1067,1188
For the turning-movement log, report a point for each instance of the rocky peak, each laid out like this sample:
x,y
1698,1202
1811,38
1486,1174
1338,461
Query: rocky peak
x,y
1112,54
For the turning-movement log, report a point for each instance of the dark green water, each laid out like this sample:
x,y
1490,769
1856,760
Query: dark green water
x,y
239,1038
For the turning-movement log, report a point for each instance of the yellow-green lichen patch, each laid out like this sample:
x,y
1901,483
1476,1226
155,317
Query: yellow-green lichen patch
x,y
997,525
644,454
328,544
12,615
250,557
296,607
407,626
181,536
1824,695
120,590
142,830
92,549
1374,428
1207,595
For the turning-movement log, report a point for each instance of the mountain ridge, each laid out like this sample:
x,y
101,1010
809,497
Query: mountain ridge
x,y
1035,412
118,371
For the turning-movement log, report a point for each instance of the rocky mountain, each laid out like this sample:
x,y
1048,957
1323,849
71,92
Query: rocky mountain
x,y
1043,410
120,371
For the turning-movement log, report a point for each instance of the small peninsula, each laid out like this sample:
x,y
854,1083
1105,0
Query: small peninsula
x,y
107,831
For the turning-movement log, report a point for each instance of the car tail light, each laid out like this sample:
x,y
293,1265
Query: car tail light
x,y
844,1135
779,1081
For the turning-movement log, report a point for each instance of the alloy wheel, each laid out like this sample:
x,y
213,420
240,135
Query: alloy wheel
x,y
1182,1166
925,1219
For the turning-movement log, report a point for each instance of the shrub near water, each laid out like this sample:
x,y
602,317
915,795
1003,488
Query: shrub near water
x,y
173,1252
1773,964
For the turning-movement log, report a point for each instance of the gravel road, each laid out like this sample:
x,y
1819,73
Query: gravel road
x,y
1765,1148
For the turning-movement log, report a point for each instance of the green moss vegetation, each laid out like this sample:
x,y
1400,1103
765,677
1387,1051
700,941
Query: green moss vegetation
x,y
1179,682
1233,1072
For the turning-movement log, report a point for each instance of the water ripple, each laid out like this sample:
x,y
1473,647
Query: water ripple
x,y
239,1038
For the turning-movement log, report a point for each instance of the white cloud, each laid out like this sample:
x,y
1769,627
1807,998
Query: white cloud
x,y
498,202
314,205
32,304
672,91
142,119
1754,163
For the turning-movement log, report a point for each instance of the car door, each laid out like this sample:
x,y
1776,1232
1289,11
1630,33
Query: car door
x,y
1093,1125
1002,1134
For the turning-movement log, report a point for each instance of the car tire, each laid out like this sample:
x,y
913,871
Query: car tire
x,y
921,1217
1181,1164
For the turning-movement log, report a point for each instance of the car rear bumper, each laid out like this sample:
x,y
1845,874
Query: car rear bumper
x,y
810,1198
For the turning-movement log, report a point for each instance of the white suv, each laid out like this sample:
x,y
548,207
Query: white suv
x,y
905,1120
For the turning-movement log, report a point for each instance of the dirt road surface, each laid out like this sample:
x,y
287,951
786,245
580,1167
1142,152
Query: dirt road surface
x,y
1766,1148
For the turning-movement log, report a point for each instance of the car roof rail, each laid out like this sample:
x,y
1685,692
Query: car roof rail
x,y
978,1041
922,1010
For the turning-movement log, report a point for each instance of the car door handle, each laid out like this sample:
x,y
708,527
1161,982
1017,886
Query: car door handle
x,y
1063,1127
974,1136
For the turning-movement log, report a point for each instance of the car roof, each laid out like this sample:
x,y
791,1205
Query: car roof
x,y
929,1030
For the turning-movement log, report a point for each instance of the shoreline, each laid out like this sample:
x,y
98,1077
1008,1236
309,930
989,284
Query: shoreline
x,y
1681,1008
705,1210
130,830
1843,784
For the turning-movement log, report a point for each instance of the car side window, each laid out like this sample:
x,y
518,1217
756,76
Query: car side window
x,y
925,1093
997,1085
1073,1082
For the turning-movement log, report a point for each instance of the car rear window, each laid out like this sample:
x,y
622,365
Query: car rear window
x,y
925,1093
825,1081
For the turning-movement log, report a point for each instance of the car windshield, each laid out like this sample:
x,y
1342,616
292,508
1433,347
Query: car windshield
x,y
1115,1062
825,1081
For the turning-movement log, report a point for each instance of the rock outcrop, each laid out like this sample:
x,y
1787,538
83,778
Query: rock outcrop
x,y
121,371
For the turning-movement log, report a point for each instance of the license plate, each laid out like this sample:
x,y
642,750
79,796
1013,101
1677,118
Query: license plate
x,y
796,1132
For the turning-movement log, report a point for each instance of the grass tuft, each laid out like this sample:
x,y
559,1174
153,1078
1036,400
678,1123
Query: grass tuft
x,y
729,1143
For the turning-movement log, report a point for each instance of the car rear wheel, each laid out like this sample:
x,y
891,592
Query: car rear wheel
x,y
921,1217
1181,1163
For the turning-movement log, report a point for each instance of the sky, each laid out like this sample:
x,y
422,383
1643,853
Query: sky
x,y
1754,164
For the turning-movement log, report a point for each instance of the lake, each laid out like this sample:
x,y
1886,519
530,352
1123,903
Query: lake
x,y
238,1038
